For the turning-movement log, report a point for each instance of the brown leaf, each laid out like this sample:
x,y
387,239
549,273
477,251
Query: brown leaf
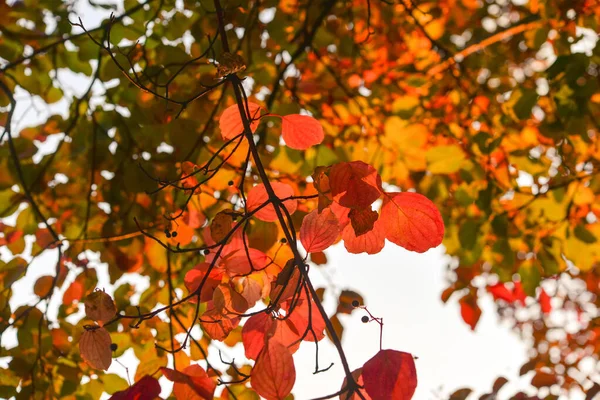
x,y
94,347
221,225
100,307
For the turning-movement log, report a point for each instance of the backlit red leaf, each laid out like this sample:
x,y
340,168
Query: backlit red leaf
x,y
319,231
94,347
412,221
300,132
545,302
470,311
274,373
354,184
231,124
146,388
500,291
390,374
258,196
192,383
194,278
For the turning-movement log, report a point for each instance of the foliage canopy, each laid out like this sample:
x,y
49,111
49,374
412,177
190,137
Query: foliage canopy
x,y
217,149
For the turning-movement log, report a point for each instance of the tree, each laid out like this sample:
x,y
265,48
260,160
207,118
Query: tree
x,y
219,148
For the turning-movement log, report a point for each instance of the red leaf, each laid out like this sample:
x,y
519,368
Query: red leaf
x,y
390,374
354,184
519,294
371,242
193,279
274,374
545,302
470,311
500,291
319,231
192,383
300,132
262,326
258,196
94,347
231,124
412,221
239,262
146,388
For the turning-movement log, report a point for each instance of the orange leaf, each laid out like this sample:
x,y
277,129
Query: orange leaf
x,y
319,231
371,242
73,292
216,325
99,306
94,347
258,196
390,374
192,383
357,375
231,124
354,184
274,373
146,388
412,221
300,132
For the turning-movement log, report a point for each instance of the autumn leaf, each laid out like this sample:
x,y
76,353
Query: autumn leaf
x,y
301,132
371,242
545,302
500,291
362,221
412,221
354,184
146,388
94,346
274,373
390,374
258,196
221,225
357,375
319,230
99,306
191,383
43,286
470,311
231,124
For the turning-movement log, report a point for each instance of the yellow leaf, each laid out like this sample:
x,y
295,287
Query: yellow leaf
x,y
445,159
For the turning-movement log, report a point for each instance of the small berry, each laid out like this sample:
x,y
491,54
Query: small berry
x,y
283,241
168,234
230,183
365,319
174,234
355,303
113,346
207,252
